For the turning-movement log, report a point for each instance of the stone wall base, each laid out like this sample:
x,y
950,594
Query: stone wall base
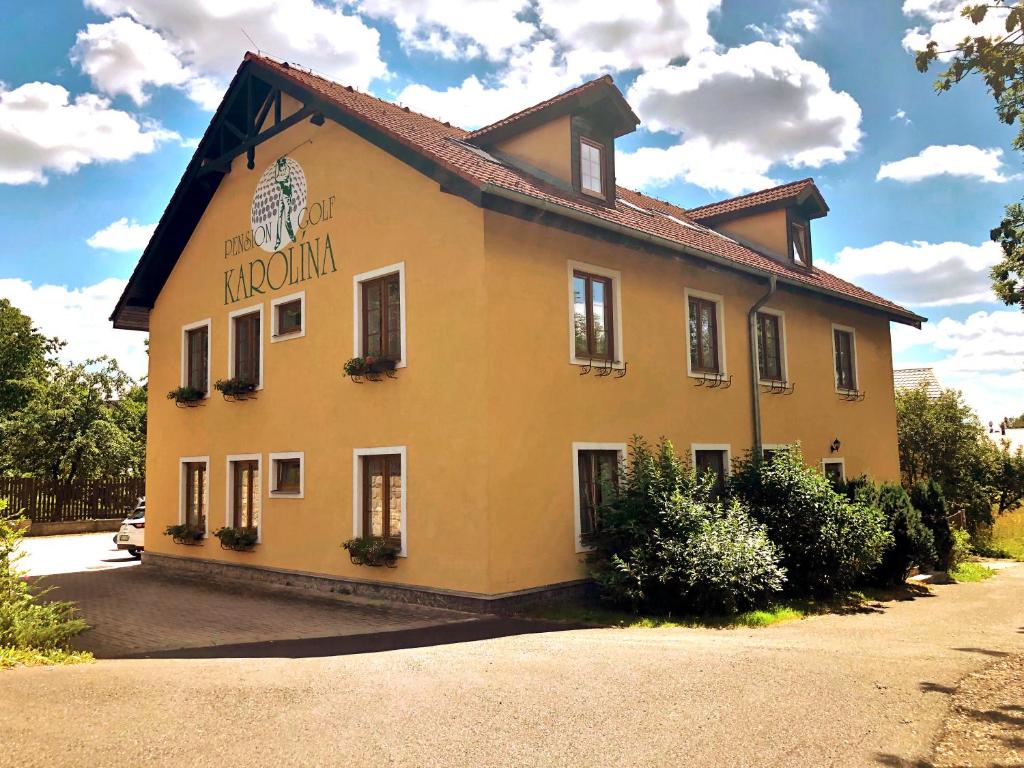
x,y
503,603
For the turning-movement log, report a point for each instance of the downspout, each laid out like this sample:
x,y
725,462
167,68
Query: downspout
x,y
755,376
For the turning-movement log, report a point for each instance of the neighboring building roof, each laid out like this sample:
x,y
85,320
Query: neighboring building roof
x,y
1015,438
442,152
793,193
583,95
912,378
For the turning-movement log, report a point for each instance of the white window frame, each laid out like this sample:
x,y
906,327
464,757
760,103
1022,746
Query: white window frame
x,y
834,460
719,302
230,489
357,490
576,448
182,461
357,306
616,277
783,353
208,322
853,349
726,447
275,336
273,458
231,338
601,149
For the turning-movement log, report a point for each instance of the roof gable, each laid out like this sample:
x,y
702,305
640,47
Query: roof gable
x,y
802,194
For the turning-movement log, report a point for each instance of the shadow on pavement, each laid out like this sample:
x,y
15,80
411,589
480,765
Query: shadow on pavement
x,y
375,642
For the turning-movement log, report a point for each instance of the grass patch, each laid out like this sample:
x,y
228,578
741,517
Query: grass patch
x,y
1008,534
33,657
971,572
594,615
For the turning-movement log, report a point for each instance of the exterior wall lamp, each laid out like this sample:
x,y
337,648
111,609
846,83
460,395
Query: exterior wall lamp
x,y
834,448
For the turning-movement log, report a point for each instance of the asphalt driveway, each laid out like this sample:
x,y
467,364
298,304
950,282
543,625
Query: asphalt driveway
x,y
856,690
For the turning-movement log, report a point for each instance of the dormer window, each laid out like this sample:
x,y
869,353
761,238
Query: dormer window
x,y
800,235
591,164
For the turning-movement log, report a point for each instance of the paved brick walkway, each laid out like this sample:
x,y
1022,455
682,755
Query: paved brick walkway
x,y
141,610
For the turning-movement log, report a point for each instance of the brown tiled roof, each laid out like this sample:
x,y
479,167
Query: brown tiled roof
x,y
912,378
593,85
445,147
781,194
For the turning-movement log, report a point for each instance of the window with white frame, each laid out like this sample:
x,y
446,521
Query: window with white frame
x,y
379,321
380,494
834,470
712,459
244,475
245,345
591,167
194,494
595,319
595,472
844,349
288,317
287,475
195,356
705,333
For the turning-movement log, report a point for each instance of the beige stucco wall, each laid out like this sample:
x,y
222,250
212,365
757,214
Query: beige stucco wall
x,y
765,230
546,148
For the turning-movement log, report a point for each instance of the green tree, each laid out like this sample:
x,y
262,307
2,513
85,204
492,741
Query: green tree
x,y
1014,422
942,439
24,353
81,422
999,62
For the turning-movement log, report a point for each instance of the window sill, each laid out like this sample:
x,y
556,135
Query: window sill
x,y
617,365
287,336
286,494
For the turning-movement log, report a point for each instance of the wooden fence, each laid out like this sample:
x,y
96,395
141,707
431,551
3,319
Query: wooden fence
x,y
43,501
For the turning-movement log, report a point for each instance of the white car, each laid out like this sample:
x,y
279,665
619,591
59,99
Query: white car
x,y
131,535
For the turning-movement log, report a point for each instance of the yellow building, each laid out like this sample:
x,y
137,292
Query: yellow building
x,y
523,317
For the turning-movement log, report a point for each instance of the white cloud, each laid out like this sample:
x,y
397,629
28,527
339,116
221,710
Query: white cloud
x,y
901,115
79,316
574,40
729,168
920,273
761,100
455,30
531,76
613,37
42,130
985,358
796,25
123,57
963,160
946,26
207,39
122,235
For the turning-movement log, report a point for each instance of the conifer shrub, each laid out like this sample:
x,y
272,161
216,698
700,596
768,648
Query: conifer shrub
x,y
663,544
826,541
928,499
912,541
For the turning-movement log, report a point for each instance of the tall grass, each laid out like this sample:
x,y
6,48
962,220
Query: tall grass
x,y
1008,533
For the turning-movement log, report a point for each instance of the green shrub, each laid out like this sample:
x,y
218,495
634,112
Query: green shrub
x,y
662,544
26,623
959,549
238,539
372,551
928,499
912,541
826,541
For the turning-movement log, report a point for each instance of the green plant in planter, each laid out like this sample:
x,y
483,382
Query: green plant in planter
x,y
234,387
360,366
354,367
186,395
185,533
372,551
238,539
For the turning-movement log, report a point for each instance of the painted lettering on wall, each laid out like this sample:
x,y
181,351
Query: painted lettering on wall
x,y
284,225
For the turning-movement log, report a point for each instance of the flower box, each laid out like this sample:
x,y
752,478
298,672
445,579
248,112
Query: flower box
x,y
235,389
237,539
186,397
185,534
372,551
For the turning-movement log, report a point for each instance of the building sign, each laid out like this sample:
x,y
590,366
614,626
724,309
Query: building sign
x,y
284,224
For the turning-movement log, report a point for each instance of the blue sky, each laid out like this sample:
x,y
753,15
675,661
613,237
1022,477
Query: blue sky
x,y
101,102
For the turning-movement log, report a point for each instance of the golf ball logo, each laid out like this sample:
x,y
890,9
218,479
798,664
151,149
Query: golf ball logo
x,y
279,198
